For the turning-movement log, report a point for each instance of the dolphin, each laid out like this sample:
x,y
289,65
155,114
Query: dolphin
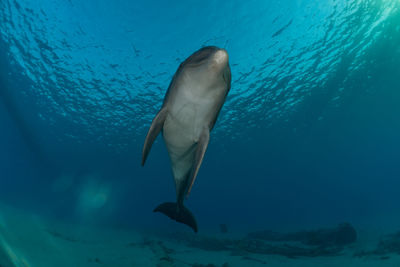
x,y
190,109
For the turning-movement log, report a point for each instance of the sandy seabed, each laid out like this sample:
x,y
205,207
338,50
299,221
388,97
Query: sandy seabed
x,y
30,240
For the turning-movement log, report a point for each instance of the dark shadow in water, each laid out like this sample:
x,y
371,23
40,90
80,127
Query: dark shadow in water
x,y
342,235
389,244
321,242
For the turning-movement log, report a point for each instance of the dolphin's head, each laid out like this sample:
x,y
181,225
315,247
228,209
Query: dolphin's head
x,y
210,55
209,64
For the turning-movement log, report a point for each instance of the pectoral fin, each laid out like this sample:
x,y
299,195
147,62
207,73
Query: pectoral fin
x,y
198,157
155,129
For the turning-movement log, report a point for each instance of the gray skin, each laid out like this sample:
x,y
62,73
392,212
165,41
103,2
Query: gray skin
x,y
191,106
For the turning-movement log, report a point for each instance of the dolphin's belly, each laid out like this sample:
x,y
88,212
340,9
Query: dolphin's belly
x,y
191,112
179,130
180,143
182,129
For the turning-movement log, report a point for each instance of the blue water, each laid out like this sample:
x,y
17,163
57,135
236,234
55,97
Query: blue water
x,y
308,136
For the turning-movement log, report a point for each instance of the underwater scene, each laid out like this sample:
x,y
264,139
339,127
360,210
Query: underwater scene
x,y
199,133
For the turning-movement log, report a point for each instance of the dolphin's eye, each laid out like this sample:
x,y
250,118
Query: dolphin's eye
x,y
200,59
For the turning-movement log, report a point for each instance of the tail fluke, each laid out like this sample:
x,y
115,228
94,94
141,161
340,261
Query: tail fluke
x,y
178,213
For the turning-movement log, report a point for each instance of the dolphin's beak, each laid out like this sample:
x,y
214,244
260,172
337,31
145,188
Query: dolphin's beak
x,y
221,57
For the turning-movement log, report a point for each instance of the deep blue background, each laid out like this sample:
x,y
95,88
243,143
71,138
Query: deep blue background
x,y
309,135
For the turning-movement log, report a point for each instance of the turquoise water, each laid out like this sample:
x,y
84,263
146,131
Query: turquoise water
x,y
308,136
